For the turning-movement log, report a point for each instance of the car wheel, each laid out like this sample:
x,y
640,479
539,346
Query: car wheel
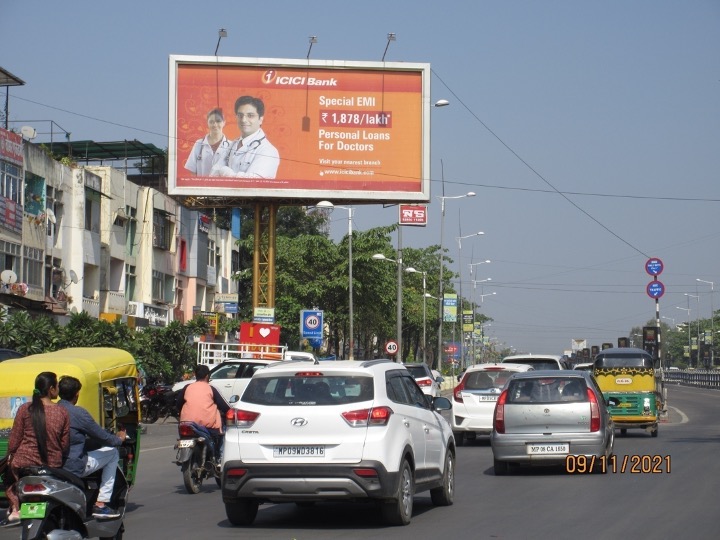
x,y
459,438
241,511
623,432
399,510
654,432
444,495
501,468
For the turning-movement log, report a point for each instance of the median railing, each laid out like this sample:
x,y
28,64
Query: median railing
x,y
703,378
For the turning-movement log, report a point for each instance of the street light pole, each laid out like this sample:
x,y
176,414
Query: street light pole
x,y
398,261
696,297
712,321
412,270
688,325
440,283
330,206
460,298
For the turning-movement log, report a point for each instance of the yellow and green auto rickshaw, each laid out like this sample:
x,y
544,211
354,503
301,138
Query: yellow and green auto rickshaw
x,y
632,385
109,392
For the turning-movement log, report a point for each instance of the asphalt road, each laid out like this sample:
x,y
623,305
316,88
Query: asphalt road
x,y
678,499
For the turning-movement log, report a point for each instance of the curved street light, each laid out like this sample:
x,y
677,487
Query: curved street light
x,y
330,206
712,320
440,283
411,270
398,261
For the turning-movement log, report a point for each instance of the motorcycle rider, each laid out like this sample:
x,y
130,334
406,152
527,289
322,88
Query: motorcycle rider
x,y
201,403
82,462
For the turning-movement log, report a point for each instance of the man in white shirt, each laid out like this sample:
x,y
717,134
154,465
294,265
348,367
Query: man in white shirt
x,y
251,155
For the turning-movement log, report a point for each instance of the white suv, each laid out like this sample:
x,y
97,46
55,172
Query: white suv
x,y
338,431
537,361
232,376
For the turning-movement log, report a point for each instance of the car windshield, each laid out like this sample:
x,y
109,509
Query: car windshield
x,y
624,360
486,380
536,363
546,390
417,371
309,390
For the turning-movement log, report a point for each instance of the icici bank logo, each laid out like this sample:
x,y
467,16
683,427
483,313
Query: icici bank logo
x,y
269,76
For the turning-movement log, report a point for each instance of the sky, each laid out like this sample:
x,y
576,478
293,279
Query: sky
x,y
589,131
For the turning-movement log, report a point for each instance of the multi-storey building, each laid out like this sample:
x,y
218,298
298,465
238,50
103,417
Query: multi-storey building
x,y
86,238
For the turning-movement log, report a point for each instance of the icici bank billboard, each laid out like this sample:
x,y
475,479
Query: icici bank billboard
x,y
312,130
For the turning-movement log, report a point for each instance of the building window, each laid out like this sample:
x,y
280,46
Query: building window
x,y
10,176
92,211
33,266
129,281
162,230
211,253
131,230
9,256
161,284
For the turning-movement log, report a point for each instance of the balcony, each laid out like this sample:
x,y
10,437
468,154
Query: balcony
x,y
115,302
91,307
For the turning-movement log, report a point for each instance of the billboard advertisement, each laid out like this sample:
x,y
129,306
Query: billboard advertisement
x,y
301,129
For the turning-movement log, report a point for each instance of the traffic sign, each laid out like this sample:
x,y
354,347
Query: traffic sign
x,y
655,289
654,266
311,323
391,347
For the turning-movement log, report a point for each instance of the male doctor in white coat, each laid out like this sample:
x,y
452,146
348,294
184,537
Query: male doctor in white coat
x,y
251,155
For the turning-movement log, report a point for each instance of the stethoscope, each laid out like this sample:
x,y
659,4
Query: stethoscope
x,y
199,153
251,146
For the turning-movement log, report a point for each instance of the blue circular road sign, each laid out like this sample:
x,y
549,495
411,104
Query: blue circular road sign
x,y
655,289
654,266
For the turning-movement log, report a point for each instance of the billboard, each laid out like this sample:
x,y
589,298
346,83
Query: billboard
x,y
301,129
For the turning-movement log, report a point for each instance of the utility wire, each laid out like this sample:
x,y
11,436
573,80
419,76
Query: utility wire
x,y
540,176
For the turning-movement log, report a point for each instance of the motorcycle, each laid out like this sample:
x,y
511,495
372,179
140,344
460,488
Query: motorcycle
x,y
157,401
57,505
197,456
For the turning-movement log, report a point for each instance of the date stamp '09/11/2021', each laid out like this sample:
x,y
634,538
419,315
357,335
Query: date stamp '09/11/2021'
x,y
633,464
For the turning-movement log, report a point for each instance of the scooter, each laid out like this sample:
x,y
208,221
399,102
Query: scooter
x,y
196,456
57,505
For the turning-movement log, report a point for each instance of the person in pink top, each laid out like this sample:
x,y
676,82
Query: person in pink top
x,y
202,404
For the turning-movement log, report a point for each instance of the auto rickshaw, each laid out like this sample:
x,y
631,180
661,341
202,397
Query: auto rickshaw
x,y
631,382
109,392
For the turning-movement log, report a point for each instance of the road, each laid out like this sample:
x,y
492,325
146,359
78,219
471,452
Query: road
x,y
534,503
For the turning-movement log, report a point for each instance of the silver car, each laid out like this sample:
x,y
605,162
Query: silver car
x,y
548,417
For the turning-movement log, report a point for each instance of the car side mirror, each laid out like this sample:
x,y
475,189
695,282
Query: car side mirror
x,y
234,399
441,403
439,379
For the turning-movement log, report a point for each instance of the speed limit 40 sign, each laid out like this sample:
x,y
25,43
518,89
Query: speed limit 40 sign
x,y
391,347
311,323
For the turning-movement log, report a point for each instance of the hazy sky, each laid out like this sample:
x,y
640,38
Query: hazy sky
x,y
589,130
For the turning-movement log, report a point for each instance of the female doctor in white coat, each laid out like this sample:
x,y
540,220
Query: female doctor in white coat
x,y
211,149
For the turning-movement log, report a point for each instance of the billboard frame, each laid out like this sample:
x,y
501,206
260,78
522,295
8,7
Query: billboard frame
x,y
235,196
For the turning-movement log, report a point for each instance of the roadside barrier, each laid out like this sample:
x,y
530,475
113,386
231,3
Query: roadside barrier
x,y
702,378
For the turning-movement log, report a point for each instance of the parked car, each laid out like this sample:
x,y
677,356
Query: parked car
x,y
474,398
542,417
231,377
584,366
538,361
336,431
428,381
299,355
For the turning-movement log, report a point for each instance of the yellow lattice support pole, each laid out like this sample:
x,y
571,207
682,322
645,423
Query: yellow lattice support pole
x,y
264,255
